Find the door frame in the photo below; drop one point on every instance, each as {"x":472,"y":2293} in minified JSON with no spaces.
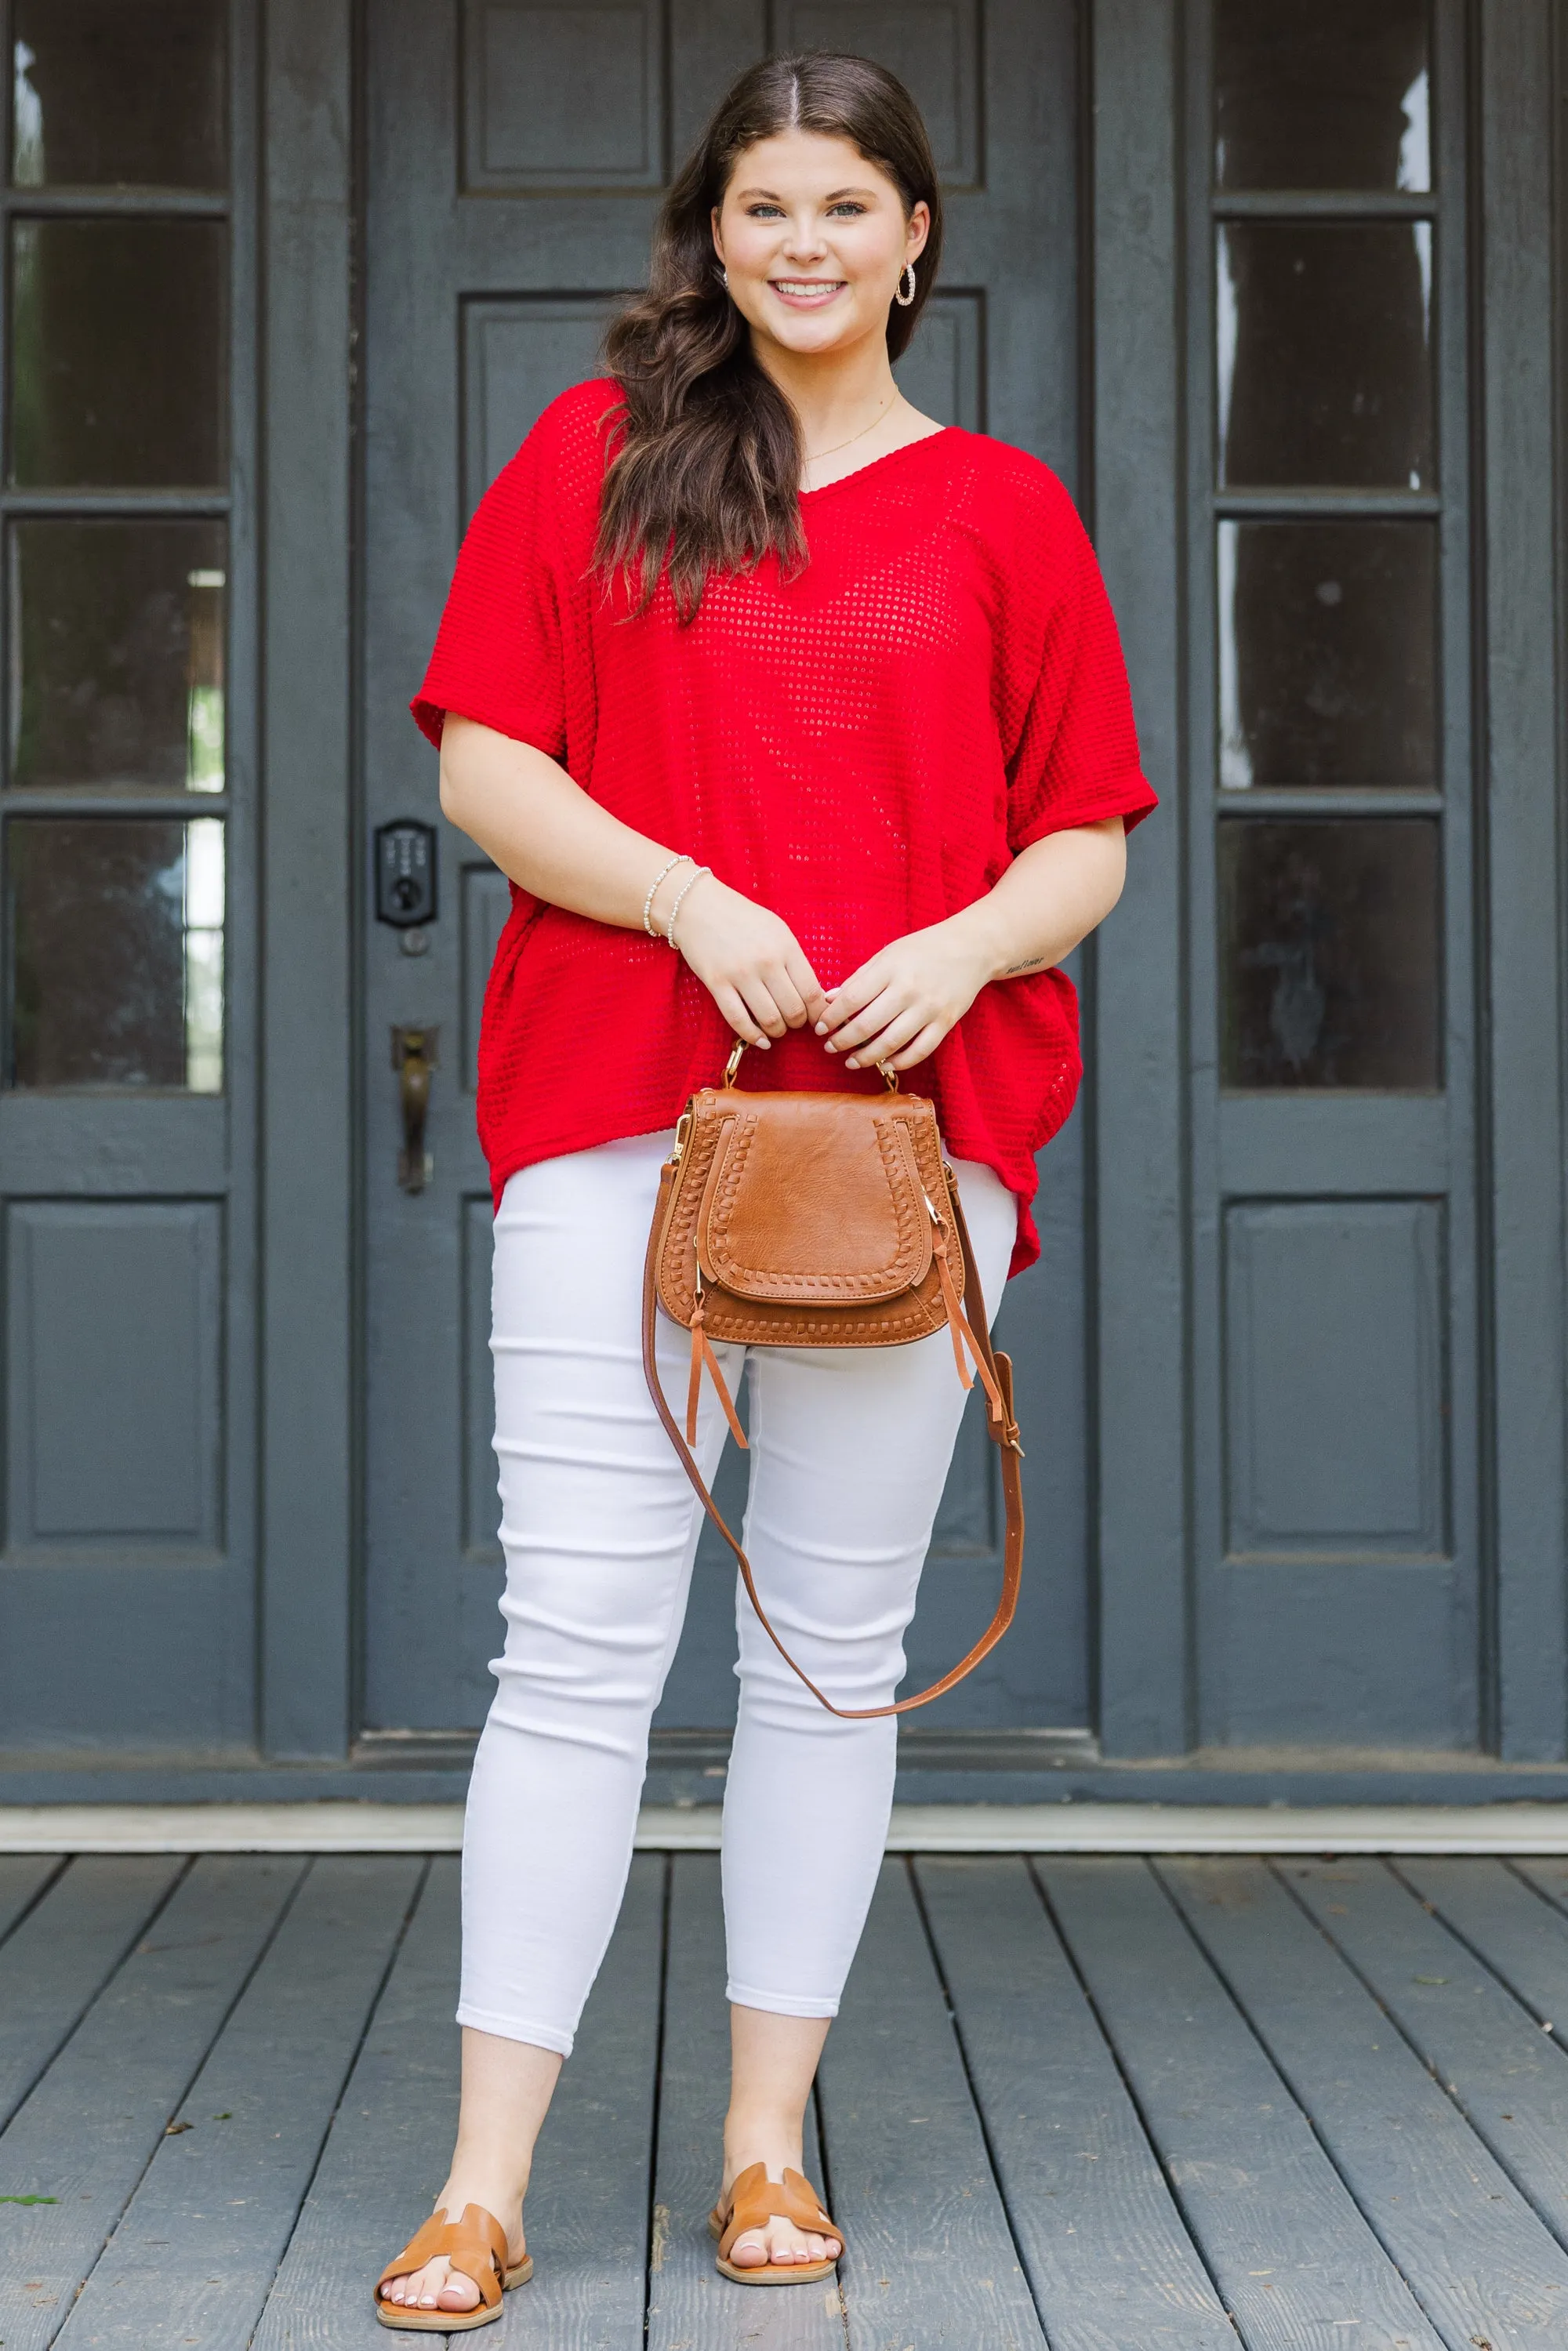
{"x":311,"y":889}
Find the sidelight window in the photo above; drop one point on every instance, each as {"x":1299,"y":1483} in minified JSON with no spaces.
{"x":1327,"y":489}
{"x":116,"y":559}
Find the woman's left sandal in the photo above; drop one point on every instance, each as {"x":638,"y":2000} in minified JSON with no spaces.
{"x":753,"y":2200}
{"x":475,"y":2245}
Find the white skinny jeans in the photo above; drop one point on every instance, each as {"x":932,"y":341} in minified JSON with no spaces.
{"x":850,"y":1448}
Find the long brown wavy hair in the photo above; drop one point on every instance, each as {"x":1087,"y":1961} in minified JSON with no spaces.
{"x":705,"y":469}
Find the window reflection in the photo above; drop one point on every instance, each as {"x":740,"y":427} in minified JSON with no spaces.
{"x":126,"y":93}
{"x":116,"y":654}
{"x":1324,"y":351}
{"x":1321,"y":94}
{"x":115,"y":930}
{"x":1328,"y":654}
{"x":1329,"y":953}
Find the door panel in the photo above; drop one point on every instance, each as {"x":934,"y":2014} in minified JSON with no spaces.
{"x":495,"y":251}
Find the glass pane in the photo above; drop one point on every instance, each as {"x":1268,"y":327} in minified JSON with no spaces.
{"x":119,"y":93}
{"x":117,"y":655}
{"x":1321,"y":94}
{"x":116,"y":952}
{"x":1328,"y":949}
{"x":1328,"y":654}
{"x":1323,"y":332}
{"x":119,"y":370}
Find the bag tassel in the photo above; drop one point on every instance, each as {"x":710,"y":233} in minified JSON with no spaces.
{"x":702,"y":1353}
{"x":958,"y":1322}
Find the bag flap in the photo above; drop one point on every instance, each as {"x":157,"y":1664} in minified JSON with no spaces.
{"x":814,"y":1199}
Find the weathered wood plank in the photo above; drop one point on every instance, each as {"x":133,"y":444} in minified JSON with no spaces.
{"x":22,"y":1877}
{"x":1295,"y":2263}
{"x":89,"y":2128}
{"x":689,"y":2302}
{"x":1504,"y":1920}
{"x":1485,"y":2268}
{"x":64,"y":1952}
{"x":195,"y":2254}
{"x":1509,"y":2077}
{"x":929,"y":2256}
{"x":1112,"y":2267}
{"x":388,"y":2149}
{"x":1548,"y":1873}
{"x":587,"y":2214}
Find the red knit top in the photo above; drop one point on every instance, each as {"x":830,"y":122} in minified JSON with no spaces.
{"x":863,"y":747}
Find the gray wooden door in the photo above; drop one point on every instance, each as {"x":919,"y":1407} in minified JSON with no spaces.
{"x":127,"y":802}
{"x":515,"y":155}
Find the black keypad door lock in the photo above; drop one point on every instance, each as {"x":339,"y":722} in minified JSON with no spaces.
{"x":405,"y":873}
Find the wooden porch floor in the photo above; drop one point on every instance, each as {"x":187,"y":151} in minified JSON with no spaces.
{"x":1102,"y":2105}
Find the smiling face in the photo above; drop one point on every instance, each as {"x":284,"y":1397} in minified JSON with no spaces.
{"x":814,"y":240}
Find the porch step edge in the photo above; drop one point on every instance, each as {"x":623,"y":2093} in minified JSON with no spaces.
{"x":350,"y":1826}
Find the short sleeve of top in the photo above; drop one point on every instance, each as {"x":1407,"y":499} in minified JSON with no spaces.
{"x":1066,"y":709}
{"x":501,"y":655}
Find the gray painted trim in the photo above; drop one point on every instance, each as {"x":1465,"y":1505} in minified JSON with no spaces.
{"x":1524,"y":875}
{"x":307,"y":1157}
{"x":1216,"y":1778}
{"x":1144,"y":1662}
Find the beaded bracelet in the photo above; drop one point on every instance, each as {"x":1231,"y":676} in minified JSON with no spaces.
{"x":674,"y":910}
{"x":648,"y":902}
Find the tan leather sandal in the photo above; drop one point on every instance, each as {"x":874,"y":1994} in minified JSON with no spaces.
{"x":476,"y":2245}
{"x":752,"y":2201}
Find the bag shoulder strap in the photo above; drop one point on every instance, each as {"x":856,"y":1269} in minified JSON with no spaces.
{"x":1003,"y":1428}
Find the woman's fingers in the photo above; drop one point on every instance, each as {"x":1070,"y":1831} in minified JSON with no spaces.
{"x":808,"y":987}
{"x":919,"y":1049}
{"x":869,"y":1024}
{"x":732,"y":1004}
{"x":782,"y":988}
{"x":850,"y":997}
{"x":901,"y":1029}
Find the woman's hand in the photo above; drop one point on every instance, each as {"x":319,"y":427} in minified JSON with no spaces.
{"x":898,"y":1005}
{"x":901,"y":1003}
{"x":750,"y":962}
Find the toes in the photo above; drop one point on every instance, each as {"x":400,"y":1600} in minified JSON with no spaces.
{"x":749,"y":2252}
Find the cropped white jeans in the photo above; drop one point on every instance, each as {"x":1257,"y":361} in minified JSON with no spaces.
{"x":849,"y":1452}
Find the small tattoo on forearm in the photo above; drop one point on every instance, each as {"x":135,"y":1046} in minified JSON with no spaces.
{"x":1036,"y":963}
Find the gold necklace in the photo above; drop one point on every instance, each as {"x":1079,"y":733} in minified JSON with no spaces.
{"x":815,"y":457}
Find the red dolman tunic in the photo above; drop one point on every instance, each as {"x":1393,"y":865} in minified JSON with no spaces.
{"x":863,"y":747}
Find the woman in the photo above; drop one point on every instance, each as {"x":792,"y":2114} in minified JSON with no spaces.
{"x":794,"y":717}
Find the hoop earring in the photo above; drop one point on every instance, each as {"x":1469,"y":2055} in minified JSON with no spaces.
{"x":901,"y":298}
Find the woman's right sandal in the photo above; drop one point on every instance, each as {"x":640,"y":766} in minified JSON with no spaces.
{"x":752,"y":2201}
{"x":476,"y":2246}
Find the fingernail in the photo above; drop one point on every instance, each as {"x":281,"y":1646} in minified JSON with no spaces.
{"x":851,"y":1063}
{"x":821,"y":1028}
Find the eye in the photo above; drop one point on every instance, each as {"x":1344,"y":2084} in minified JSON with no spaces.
{"x":764,"y":211}
{"x":848,"y":206}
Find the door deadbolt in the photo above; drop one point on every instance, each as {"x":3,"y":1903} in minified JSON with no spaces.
{"x":414,"y":1054}
{"x":405,"y":873}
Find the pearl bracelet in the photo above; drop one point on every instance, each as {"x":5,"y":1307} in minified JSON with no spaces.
{"x":648,"y":902}
{"x":674,"y":910}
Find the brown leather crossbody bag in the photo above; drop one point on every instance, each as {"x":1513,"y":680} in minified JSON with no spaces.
{"x":821,"y":1220}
